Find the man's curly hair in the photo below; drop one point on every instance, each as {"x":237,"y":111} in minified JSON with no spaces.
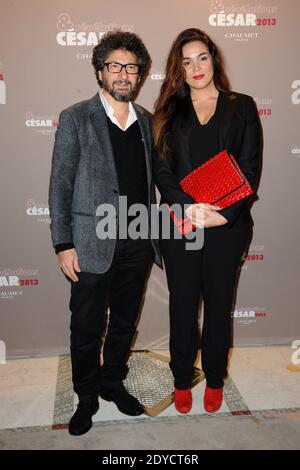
{"x":114,"y":40}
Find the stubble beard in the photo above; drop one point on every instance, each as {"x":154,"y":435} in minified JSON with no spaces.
{"x":122,"y":96}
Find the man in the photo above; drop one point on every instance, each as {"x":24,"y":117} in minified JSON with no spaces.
{"x":102,"y":151}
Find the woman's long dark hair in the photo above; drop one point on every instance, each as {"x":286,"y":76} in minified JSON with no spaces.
{"x":174,"y":88}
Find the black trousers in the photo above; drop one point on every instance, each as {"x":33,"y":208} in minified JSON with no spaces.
{"x":209,"y":272}
{"x":121,"y":288}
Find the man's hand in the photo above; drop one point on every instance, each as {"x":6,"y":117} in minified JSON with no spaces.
{"x":68,"y":262}
{"x":205,"y":215}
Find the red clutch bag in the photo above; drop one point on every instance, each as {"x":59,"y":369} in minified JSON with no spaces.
{"x":219,"y":181}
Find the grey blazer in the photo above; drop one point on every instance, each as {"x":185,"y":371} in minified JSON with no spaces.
{"x":83,"y":176}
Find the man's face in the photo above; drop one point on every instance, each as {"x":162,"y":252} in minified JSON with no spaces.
{"x":121,"y":85}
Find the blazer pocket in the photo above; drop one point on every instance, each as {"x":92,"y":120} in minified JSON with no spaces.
{"x":85,"y":214}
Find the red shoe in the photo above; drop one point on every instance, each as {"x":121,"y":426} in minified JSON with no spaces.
{"x":183,"y":400}
{"x":212,"y":399}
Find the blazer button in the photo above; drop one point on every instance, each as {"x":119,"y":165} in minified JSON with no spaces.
{"x":115,"y":191}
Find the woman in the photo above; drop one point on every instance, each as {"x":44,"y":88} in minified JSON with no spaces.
{"x":196,"y":117}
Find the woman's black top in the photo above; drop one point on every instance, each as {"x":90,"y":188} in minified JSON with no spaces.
{"x":203,"y":138}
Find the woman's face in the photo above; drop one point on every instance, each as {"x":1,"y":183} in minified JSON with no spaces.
{"x":197,"y":65}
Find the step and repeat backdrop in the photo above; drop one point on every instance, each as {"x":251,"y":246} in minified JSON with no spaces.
{"x":45,"y":66}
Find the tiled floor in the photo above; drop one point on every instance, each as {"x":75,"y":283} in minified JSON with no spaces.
{"x":37,"y":393}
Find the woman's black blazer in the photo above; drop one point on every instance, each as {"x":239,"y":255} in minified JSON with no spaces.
{"x":239,"y":134}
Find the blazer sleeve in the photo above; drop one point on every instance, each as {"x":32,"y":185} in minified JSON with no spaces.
{"x":66,"y":154}
{"x":247,"y":159}
{"x":168,"y":183}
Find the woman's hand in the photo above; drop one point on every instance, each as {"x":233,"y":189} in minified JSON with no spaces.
{"x":205,"y":215}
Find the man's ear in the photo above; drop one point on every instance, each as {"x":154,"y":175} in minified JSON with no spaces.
{"x":100,"y":75}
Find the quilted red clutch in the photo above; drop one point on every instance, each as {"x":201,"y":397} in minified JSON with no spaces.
{"x":219,"y":181}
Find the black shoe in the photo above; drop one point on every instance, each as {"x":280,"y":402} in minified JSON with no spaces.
{"x":125,"y":402}
{"x":81,"y":421}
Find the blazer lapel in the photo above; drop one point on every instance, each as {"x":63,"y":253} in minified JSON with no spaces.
{"x":228,"y":105}
{"x":146,"y":135}
{"x":180,"y":137}
{"x":98,"y":119}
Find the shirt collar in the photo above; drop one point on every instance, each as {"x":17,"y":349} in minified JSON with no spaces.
{"x":109,"y":110}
